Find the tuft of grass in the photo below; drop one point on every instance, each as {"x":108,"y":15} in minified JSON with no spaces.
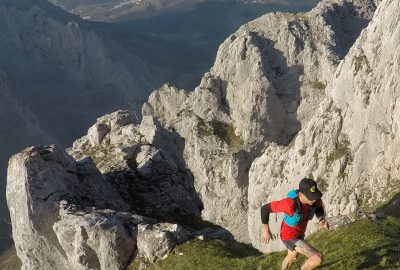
{"x":318,"y":85}
{"x":226,"y":132}
{"x":342,"y":149}
{"x":363,"y":244}
{"x":360,"y":61}
{"x":9,"y":260}
{"x":217,"y":255}
{"x":185,"y":113}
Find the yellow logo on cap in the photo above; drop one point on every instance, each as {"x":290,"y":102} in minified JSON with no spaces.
{"x":312,"y":189}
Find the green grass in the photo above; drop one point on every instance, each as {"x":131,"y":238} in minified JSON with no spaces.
{"x":342,"y":149}
{"x":226,"y":132}
{"x":360,"y":61}
{"x":216,"y":255}
{"x":318,"y":85}
{"x":361,"y":245}
{"x":9,"y":260}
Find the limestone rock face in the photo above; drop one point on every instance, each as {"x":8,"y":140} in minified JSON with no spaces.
{"x":366,"y":91}
{"x":157,"y":241}
{"x":57,"y":74}
{"x":27,"y":125}
{"x":212,"y":151}
{"x":97,"y":239}
{"x":251,"y":97}
{"x":273,"y":62}
{"x":144,"y":162}
{"x":289,"y":96}
{"x":69,"y":215}
{"x":62,"y":53}
{"x":38,"y":179}
{"x":350,"y":144}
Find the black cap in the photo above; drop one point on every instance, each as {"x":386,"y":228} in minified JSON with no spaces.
{"x":309,"y":188}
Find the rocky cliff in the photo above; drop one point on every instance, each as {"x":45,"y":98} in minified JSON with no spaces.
{"x":65,"y":58}
{"x":289,"y":96}
{"x":71,"y":215}
{"x":52,"y":61}
{"x":350,"y":144}
{"x":268,"y":80}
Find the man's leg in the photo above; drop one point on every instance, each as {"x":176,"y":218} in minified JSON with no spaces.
{"x":315,"y":257}
{"x":289,"y":259}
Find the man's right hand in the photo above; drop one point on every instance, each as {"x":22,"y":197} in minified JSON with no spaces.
{"x":265,"y":234}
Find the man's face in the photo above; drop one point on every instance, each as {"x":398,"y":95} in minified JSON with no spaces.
{"x":305,"y":200}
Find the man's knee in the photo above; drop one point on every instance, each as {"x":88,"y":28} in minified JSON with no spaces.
{"x":317,"y":258}
{"x":293,"y":258}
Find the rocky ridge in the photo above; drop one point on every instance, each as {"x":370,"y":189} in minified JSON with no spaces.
{"x":239,"y":140}
{"x":268,"y":79}
{"x":55,"y":61}
{"x":122,"y":10}
{"x":349,"y":145}
{"x":69,"y":215}
{"x":68,"y":59}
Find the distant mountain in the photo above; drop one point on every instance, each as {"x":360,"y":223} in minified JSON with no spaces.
{"x":116,"y":10}
{"x":57,"y":75}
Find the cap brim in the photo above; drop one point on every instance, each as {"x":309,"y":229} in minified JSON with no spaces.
{"x":312,"y":196}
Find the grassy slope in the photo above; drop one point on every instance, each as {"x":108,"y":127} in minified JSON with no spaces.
{"x":9,"y":260}
{"x":361,"y":245}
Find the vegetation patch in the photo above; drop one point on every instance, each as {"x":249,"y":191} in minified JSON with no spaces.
{"x":342,"y":149}
{"x":186,"y":112}
{"x":360,"y":61}
{"x":322,"y":184}
{"x":318,"y":85}
{"x":226,"y":132}
{"x":295,"y":16}
{"x":362,"y":245}
{"x":391,"y":207}
{"x":9,"y":260}
{"x":203,"y":128}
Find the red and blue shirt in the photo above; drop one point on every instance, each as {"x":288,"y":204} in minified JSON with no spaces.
{"x":288,"y":207}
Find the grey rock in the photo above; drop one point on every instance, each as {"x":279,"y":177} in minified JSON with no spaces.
{"x":38,"y":179}
{"x":67,"y":215}
{"x":145,"y":163}
{"x":267,"y":81}
{"x":350,"y":146}
{"x":229,"y":141}
{"x":96,"y":239}
{"x":97,"y":132}
{"x":211,"y":234}
{"x":156,"y":241}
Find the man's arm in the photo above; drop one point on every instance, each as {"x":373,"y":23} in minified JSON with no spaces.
{"x":265,"y":211}
{"x":265,"y":232}
{"x":320,"y":213}
{"x":285,"y":205}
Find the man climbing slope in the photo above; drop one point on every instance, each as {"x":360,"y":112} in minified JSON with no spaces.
{"x":298,"y":209}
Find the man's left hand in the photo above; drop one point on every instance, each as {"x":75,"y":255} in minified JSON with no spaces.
{"x":324,"y":224}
